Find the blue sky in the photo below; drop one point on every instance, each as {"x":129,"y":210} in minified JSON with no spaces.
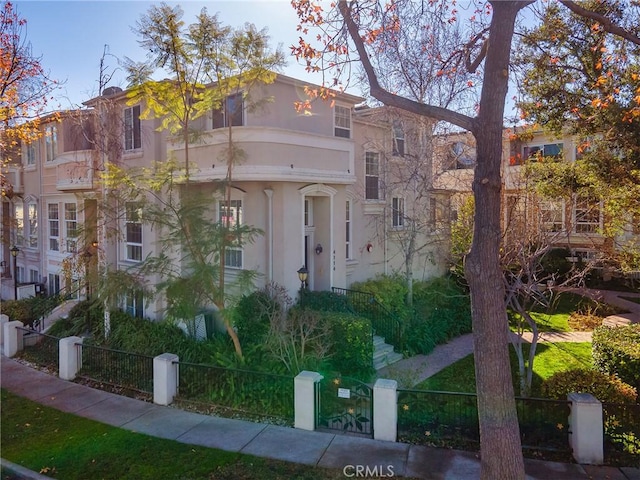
{"x":70,"y":35}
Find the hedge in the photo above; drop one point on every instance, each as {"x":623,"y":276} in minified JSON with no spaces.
{"x":606,"y":388}
{"x":617,"y":350}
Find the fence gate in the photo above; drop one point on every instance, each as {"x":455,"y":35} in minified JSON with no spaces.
{"x":344,"y":404}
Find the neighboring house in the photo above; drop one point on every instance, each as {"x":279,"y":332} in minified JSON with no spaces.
{"x":317,"y":183}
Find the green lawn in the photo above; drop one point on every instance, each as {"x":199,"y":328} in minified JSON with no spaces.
{"x":632,"y":299}
{"x":65,"y":446}
{"x":550,"y":358}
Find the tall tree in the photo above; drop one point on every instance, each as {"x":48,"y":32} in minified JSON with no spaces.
{"x":208,"y":62}
{"x":357,"y":26}
{"x":25,"y":87}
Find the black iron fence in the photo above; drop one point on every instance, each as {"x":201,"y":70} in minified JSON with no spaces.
{"x":621,"y":433}
{"x":129,"y":371}
{"x":242,"y":392}
{"x":384,"y":323}
{"x":40,"y":349}
{"x":451,"y":419}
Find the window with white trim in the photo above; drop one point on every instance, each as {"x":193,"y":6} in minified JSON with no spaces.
{"x":51,"y":142}
{"x":133,"y":231}
{"x":347,"y":230}
{"x":232,"y":113}
{"x":398,"y":139}
{"x":342,"y":121}
{"x":20,"y":276}
{"x":54,"y":226}
{"x":134,"y":304}
{"x":552,"y":215}
{"x":18,"y":219}
{"x":32,"y":224}
{"x":34,"y":275}
{"x":231,"y":216}
{"x":71,"y":226}
{"x":132,"y":132}
{"x":534,"y":152}
{"x":31,"y":153}
{"x":587,"y":215}
{"x":308,"y":212}
{"x":397,"y":212}
{"x":372,"y":175}
{"x":54,"y":284}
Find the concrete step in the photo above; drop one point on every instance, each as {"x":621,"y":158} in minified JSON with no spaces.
{"x":387,"y":360}
{"x":383,"y":354}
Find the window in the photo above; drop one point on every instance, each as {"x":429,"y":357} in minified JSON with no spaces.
{"x":71,"y":226}
{"x":551,"y":216}
{"x":133,"y":233}
{"x":398,"y":139}
{"x":397,"y":212}
{"x":587,"y":212}
{"x":32,"y":153}
{"x":134,"y":304}
{"x":347,"y":230}
{"x":34,"y":276}
{"x":72,"y":287}
{"x":342,"y":121}
{"x":372,"y":179}
{"x":20,"y":278}
{"x":132,"y":138}
{"x":537,"y":152}
{"x":54,"y":227}
{"x":308,"y":212}
{"x":32,"y":223}
{"x":232,"y":217}
{"x":54,"y":284}
{"x":18,"y":217}
{"x":232,"y":113}
{"x":51,"y":142}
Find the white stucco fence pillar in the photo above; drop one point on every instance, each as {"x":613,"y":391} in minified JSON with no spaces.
{"x":385,"y":410}
{"x":70,"y":357}
{"x":305,"y":399}
{"x":585,"y":424}
{"x":165,"y":378}
{"x":3,"y":319}
{"x":13,"y":338}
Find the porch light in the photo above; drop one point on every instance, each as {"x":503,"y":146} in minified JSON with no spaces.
{"x":303,"y":274}
{"x":318,"y":249}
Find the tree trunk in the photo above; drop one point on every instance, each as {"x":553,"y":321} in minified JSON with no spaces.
{"x":501,"y":451}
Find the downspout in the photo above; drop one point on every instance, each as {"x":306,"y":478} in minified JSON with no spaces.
{"x":269,"y":193}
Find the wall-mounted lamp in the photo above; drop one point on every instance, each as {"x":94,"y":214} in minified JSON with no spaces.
{"x":94,"y":244}
{"x":318,"y":249}
{"x":369,"y":247}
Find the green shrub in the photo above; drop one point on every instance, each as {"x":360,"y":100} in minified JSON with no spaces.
{"x":606,"y":388}
{"x":389,"y":290}
{"x":18,"y":311}
{"x":352,"y":345}
{"x":324,"y":301}
{"x":617,"y":350}
{"x":555,"y":263}
{"x":251,"y":316}
{"x":442,"y":311}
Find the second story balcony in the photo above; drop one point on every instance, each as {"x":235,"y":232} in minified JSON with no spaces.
{"x":74,"y":171}
{"x":270,"y":154}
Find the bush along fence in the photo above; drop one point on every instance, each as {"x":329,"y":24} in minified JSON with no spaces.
{"x":311,"y":401}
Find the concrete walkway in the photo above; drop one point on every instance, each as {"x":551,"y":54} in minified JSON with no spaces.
{"x":270,"y":441}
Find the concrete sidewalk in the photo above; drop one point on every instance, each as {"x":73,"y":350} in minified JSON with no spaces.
{"x":288,"y":444}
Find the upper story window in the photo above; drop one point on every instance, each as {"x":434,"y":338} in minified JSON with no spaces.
{"x":587,"y":215}
{"x":71,"y":226}
{"x":133,"y":231}
{"x":308,"y":212}
{"x":534,"y":153}
{"x":31,"y":153}
{"x":232,"y":112}
{"x":397,"y":212}
{"x":231,"y":215}
{"x":372,"y":175}
{"x":51,"y":142}
{"x":132,"y":133}
{"x":398,"y":140}
{"x":342,"y":121}
{"x":54,"y":226}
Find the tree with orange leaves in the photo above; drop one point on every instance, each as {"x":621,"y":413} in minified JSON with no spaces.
{"x":25,"y":87}
{"x":362,"y":27}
